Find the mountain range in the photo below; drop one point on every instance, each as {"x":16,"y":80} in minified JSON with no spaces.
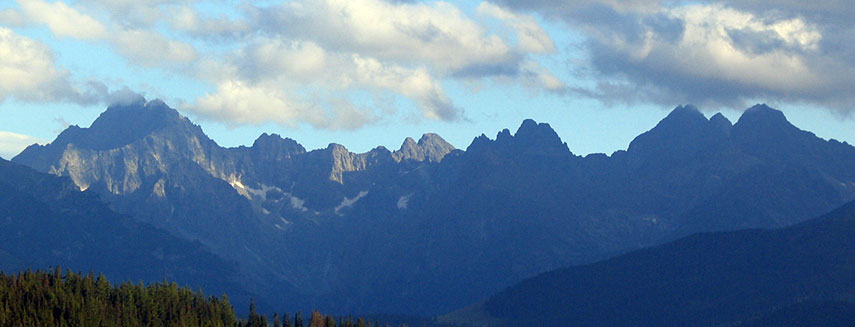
{"x":427,"y":228}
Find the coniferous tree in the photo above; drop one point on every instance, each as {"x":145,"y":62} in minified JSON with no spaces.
{"x":255,"y":320}
{"x":276,"y":322}
{"x":286,"y":320}
{"x":298,"y":319}
{"x":317,"y":319}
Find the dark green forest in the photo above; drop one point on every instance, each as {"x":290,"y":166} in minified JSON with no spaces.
{"x":41,"y":298}
{"x":71,"y":299}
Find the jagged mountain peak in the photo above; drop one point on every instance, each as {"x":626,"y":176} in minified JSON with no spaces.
{"x":432,"y":139}
{"x":531,"y":129}
{"x":687,"y":109}
{"x":479,"y":142}
{"x":681,"y":118}
{"x":154,"y":112}
{"x":409,"y":149}
{"x":531,"y":138}
{"x":122,"y":124}
{"x":379,"y":150}
{"x":763,"y":116}
{"x":681,"y":134}
{"x":273,"y":146}
{"x":720,"y":122}
{"x":539,"y":138}
{"x":765,"y":132}
{"x":527,"y":124}
{"x":504,"y":136}
{"x":118,"y":126}
{"x":409,"y":142}
{"x":337,"y":147}
{"x":267,"y":140}
{"x":430,"y":147}
{"x":719,"y":119}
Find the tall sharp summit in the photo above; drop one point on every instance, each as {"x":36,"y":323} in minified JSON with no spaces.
{"x":430,"y":147}
{"x":446,"y":227}
{"x":119,"y":126}
{"x":685,"y":132}
{"x":531,"y":138}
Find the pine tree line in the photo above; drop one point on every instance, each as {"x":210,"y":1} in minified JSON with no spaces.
{"x":52,"y":299}
{"x":40,"y":298}
{"x":316,"y":320}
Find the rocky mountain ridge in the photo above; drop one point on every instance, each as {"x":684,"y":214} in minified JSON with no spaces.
{"x":446,"y":227}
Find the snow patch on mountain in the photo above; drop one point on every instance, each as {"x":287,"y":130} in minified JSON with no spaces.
{"x":236,"y":184}
{"x":348,"y":202}
{"x":159,"y":188}
{"x":296,"y":203}
{"x":403,"y":201}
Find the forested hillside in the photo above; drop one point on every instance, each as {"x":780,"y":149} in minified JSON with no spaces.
{"x":67,"y":298}
{"x":70,"y":299}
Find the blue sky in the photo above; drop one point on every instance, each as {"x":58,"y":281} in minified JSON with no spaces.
{"x":364,"y":73}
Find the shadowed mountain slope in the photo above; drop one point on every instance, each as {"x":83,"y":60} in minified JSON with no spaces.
{"x":712,"y":279}
{"x":47,"y":221}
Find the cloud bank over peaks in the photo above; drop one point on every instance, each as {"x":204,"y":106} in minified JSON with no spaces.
{"x":312,"y":62}
{"x":711,"y":53}
{"x":304,"y":50}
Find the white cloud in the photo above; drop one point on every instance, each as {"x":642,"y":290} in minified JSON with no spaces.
{"x":295,"y":61}
{"x":416,"y":84}
{"x":264,"y":79}
{"x":708,"y":39}
{"x":530,"y":35}
{"x":150,"y":48}
{"x":11,"y":144}
{"x":144,"y":45}
{"x":710,"y":53}
{"x":303,"y":61}
{"x":28,"y":70}
{"x":237,"y":103}
{"x":12,"y":18}
{"x":132,"y":14}
{"x":437,"y":34}
{"x":187,"y":19}
{"x":538,"y":77}
{"x":63,"y":20}
{"x":335,"y":46}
